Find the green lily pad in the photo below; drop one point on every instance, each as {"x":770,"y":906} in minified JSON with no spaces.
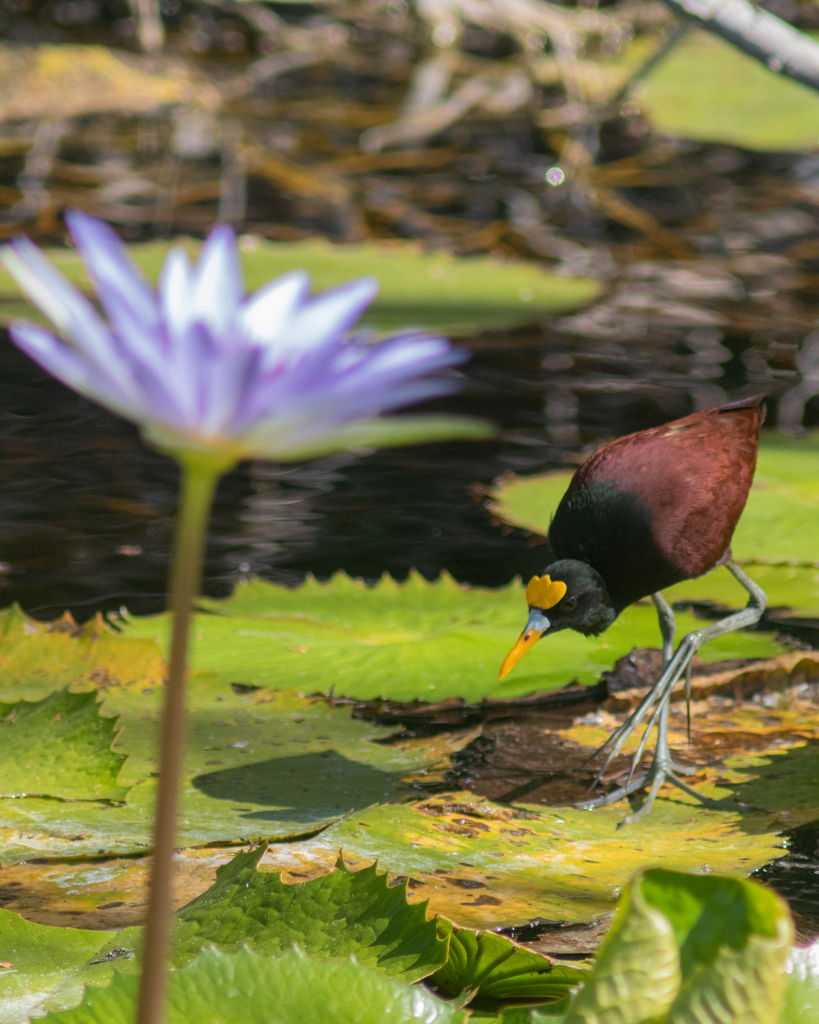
{"x":706,"y":89}
{"x":40,"y":657}
{"x":415,"y":640}
{"x":245,"y":988}
{"x":497,"y":970}
{"x":274,"y":765}
{"x":437,"y":291}
{"x":485,"y":866}
{"x":59,"y":747}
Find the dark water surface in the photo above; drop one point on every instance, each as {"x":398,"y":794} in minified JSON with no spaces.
{"x":86,"y":510}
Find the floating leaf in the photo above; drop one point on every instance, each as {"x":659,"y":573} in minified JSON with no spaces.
{"x":277,"y":766}
{"x":241,"y":988}
{"x":37,"y":658}
{"x":708,"y":90}
{"x":497,"y":970}
{"x":485,"y":866}
{"x":413,"y":640}
{"x":437,"y":291}
{"x":59,"y":747}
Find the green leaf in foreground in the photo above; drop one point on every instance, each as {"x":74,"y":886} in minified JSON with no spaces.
{"x":345,"y":913}
{"x":497,"y":970}
{"x":330,"y":918}
{"x":802,"y":994}
{"x":41,"y":958}
{"x":59,"y":747}
{"x":683,"y":948}
{"x":245,"y":988}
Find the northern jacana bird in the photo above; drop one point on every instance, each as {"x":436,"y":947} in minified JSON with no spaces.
{"x":644,"y":512}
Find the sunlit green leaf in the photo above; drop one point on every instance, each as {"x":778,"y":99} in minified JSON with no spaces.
{"x":437,"y":291}
{"x":411,"y":640}
{"x":59,"y":747}
{"x":245,"y":988}
{"x":274,"y":765}
{"x":484,"y":866}
{"x":636,"y":974}
{"x":40,"y":657}
{"x":687,"y":948}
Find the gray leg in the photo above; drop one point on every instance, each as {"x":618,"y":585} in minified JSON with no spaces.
{"x":668,"y":625}
{"x":662,"y":769}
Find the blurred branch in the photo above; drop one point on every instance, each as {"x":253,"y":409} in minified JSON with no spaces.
{"x":150,"y":30}
{"x":774,"y":43}
{"x":677,"y":33}
{"x":32,"y":179}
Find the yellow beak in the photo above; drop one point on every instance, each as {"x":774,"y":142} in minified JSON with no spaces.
{"x":528,"y":638}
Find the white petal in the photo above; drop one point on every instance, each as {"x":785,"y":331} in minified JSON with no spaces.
{"x":330,"y":315}
{"x":218,"y":286}
{"x":268,"y":311}
{"x":176,"y":292}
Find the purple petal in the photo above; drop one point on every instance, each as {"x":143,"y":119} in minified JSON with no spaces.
{"x":61,"y":302}
{"x":69,"y":367}
{"x":124,"y":293}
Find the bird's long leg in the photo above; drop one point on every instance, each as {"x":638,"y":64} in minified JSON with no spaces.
{"x":662,"y":769}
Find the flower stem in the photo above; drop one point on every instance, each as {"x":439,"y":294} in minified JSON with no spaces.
{"x":200,"y":474}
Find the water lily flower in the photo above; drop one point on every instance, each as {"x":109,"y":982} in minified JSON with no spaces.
{"x":211,"y":377}
{"x":200,"y":366}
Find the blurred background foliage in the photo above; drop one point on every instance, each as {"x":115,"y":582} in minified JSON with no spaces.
{"x":668,"y":184}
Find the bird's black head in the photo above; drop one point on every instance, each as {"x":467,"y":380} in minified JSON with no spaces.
{"x":571,"y":596}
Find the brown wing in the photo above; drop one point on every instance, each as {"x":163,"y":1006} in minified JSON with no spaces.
{"x":660,"y":506}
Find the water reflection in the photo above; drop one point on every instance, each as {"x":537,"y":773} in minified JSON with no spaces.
{"x":86,"y":511}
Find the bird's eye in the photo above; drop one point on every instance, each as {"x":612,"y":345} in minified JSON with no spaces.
{"x":569,"y":604}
